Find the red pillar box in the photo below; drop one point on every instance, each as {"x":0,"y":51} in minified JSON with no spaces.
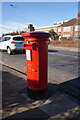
{"x":36,"y":52}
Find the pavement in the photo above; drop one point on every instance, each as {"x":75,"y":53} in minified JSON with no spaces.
{"x":16,"y":103}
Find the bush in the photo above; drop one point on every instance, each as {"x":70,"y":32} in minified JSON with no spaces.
{"x":70,"y":38}
{"x":65,"y":43}
{"x":63,"y":38}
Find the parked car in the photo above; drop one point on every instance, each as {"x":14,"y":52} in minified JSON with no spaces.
{"x":12,"y":43}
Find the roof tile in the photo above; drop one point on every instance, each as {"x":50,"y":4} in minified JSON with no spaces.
{"x":74,"y":21}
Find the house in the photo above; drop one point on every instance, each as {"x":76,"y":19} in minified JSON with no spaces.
{"x":70,"y":28}
{"x":48,"y":28}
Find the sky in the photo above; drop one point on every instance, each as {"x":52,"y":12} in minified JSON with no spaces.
{"x":39,"y":14}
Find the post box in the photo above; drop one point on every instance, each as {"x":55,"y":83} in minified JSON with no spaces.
{"x":36,"y":52}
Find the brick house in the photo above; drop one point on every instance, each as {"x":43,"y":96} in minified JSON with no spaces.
{"x":48,"y":28}
{"x":70,"y":28}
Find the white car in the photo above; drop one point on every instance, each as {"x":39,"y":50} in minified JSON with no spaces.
{"x":12,"y":43}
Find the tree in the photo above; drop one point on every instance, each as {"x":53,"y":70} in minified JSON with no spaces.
{"x":54,"y":35}
{"x":79,"y":14}
{"x":13,"y":33}
{"x":22,"y":32}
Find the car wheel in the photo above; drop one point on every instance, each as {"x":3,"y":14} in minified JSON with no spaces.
{"x":9,"y":51}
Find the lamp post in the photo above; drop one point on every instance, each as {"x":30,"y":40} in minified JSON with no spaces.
{"x":18,"y":17}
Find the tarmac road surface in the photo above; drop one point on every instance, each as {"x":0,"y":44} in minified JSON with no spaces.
{"x":62,"y":64}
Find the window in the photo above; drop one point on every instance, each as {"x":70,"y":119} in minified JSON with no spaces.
{"x":7,"y":38}
{"x":18,"y":38}
{"x":55,"y":30}
{"x":77,"y":28}
{"x":59,"y":29}
{"x":77,"y":36}
{"x":66,"y":29}
{"x":2,"y":39}
{"x":66,"y":35}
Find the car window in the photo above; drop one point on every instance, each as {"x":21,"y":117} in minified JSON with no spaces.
{"x":7,"y":38}
{"x":2,"y":39}
{"x":18,"y":38}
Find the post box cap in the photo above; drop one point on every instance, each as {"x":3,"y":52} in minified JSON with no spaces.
{"x":36,"y":34}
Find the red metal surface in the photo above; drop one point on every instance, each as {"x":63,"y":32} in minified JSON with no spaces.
{"x":37,"y":65}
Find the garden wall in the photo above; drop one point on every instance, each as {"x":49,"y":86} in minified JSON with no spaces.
{"x":64,"y":43}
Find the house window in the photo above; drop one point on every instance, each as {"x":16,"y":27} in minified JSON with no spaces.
{"x":55,"y":30}
{"x":66,"y":29}
{"x":77,"y":36}
{"x":77,"y":28}
{"x":59,"y":29}
{"x":66,"y":35}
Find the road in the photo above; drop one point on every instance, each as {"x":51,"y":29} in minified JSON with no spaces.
{"x":62,"y":64}
{"x":63,"y":68}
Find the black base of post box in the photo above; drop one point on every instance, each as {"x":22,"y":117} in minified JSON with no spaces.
{"x":42,"y":94}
